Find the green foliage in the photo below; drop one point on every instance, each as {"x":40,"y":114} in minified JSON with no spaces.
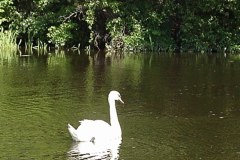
{"x":210,"y":25}
{"x":42,"y":4}
{"x":136,"y":38}
{"x":235,"y":48}
{"x":131,"y":40}
{"x":140,"y":26}
{"x":61,"y":34}
{"x":144,"y":24}
{"x":6,"y":11}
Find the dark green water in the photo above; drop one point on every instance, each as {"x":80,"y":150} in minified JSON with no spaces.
{"x":176,"y":107}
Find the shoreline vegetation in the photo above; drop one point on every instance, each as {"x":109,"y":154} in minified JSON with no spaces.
{"x":158,"y":26}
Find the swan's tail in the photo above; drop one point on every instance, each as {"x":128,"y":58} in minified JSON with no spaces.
{"x":73,"y":133}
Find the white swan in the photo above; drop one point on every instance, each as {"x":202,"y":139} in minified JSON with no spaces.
{"x":98,"y":130}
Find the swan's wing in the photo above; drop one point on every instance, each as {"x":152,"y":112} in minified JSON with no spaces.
{"x":90,"y":129}
{"x":102,"y":131}
{"x":73,"y":133}
{"x":93,"y":124}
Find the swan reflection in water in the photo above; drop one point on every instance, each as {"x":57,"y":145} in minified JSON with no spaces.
{"x":95,"y":151}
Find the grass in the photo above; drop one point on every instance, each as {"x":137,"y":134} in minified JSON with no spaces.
{"x":9,"y":46}
{"x":8,"y":43}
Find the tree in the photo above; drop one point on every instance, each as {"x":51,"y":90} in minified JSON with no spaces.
{"x":208,"y":25}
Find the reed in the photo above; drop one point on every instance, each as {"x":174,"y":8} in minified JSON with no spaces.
{"x":8,"y":44}
{"x":39,"y":46}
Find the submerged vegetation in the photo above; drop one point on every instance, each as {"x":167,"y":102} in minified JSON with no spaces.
{"x":198,"y":26}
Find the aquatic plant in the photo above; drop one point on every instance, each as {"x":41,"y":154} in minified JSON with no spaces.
{"x":8,"y":42}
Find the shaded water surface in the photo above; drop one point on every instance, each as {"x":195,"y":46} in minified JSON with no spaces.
{"x":176,"y":106}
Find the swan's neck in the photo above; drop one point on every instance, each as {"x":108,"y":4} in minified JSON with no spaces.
{"x":114,"y":118}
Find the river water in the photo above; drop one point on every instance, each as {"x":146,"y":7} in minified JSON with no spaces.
{"x":176,"y":106}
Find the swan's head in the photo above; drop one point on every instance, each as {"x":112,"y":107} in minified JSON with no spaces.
{"x":115,"y":95}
